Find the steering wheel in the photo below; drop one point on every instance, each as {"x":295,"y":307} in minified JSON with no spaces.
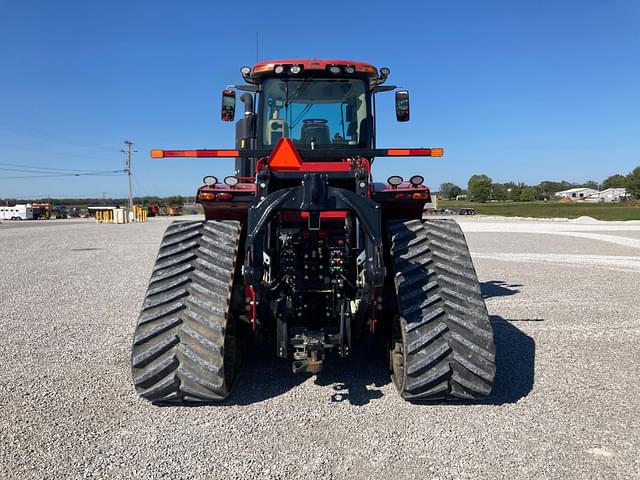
{"x":314,"y":120}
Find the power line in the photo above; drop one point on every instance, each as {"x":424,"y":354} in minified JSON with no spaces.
{"x":72,"y":172}
{"x":106,"y":173}
{"x":48,"y":136}
{"x":50,"y":152}
{"x":32,"y":167}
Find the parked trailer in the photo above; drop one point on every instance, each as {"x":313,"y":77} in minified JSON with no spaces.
{"x":41,"y":211}
{"x":17,"y":212}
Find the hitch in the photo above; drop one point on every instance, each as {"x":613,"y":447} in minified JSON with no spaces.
{"x":308,"y":365}
{"x":311,"y":348}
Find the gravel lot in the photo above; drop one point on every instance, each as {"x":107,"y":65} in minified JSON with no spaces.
{"x":564,"y":303}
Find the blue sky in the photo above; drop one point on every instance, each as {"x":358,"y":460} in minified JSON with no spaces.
{"x":523,"y":91}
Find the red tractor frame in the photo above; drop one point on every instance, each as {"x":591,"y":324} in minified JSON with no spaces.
{"x":301,"y":247}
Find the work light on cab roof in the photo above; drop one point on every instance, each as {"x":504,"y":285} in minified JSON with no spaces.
{"x":302,"y":249}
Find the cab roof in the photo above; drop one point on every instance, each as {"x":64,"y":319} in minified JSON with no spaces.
{"x":318,"y":65}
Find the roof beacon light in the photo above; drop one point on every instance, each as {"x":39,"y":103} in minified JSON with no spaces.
{"x":416,"y":180}
{"x":231,"y":181}
{"x":295,"y":69}
{"x":394,"y":180}
{"x":210,"y":180}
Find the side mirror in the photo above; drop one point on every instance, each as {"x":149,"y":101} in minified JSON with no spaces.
{"x":228,"y":105}
{"x":402,"y":105}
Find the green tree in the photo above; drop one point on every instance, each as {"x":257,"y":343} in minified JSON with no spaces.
{"x":512,"y":191}
{"x":615,"y":181}
{"x":479,"y":188}
{"x":633,"y":183}
{"x":499,"y":192}
{"x":548,"y":188}
{"x":590,"y":184}
{"x":450,"y":190}
{"x":528,"y":194}
{"x":176,"y":200}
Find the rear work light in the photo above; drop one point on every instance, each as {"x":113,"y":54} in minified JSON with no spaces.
{"x":210,"y":180}
{"x":231,"y":181}
{"x":416,"y":180}
{"x":394,"y":180}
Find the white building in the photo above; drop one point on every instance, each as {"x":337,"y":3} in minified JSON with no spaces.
{"x":609,"y":195}
{"x":580,"y":193}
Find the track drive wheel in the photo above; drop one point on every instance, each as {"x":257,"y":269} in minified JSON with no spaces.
{"x":184,"y":348}
{"x":442,"y":345}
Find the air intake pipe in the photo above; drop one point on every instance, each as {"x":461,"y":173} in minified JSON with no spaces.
{"x":247,"y":99}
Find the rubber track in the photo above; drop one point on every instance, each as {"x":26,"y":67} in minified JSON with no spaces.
{"x":447,"y":350}
{"x":179,"y":344}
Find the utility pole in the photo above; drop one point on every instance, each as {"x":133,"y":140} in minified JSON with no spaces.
{"x":127,"y":166}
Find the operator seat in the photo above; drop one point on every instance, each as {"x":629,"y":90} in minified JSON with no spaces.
{"x":314,"y":128}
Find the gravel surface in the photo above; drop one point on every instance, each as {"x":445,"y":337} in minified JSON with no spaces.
{"x":565,"y":312}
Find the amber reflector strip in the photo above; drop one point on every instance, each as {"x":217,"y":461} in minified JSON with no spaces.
{"x":194,"y":153}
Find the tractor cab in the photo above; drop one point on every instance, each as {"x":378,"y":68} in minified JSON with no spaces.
{"x":325,"y":105}
{"x":321,"y":113}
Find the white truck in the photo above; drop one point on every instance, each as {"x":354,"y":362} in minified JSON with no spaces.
{"x":17,"y":212}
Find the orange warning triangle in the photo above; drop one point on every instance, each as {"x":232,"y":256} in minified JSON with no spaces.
{"x":285,"y":156}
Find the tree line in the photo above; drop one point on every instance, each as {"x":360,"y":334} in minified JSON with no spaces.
{"x":481,"y":188}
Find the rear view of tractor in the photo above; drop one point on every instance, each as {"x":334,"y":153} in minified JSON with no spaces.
{"x":302,"y":249}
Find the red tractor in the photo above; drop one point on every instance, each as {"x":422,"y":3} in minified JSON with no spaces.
{"x":302,"y":248}
{"x":153,"y":210}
